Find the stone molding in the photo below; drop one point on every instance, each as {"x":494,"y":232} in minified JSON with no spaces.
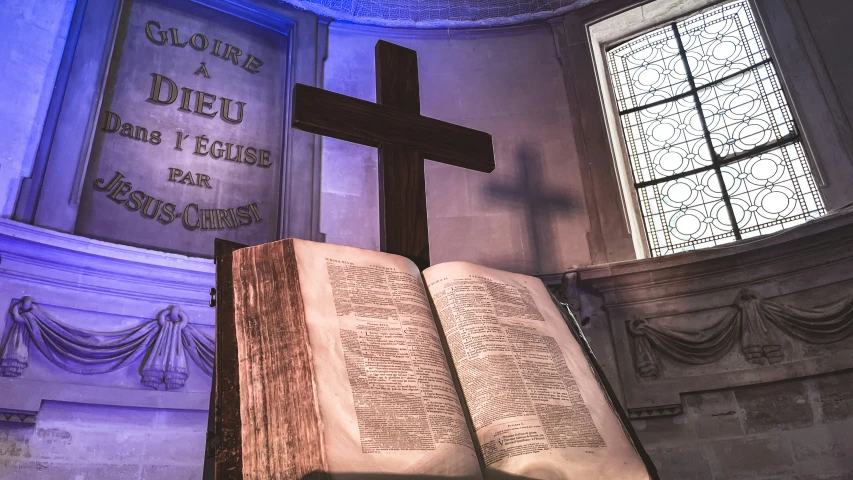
{"x":12,"y":417}
{"x":36,"y":256}
{"x":162,"y":343}
{"x":781,"y":283}
{"x":664,"y":411}
{"x":749,"y":323}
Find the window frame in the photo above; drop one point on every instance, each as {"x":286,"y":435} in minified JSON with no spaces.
{"x":718,"y":161}
{"x":638,"y":19}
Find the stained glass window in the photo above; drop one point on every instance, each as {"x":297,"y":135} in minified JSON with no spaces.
{"x":714,"y":150}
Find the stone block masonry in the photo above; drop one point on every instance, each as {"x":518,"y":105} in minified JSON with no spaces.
{"x":791,"y":430}
{"x":91,"y":442}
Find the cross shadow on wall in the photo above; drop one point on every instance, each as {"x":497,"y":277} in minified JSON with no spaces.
{"x":540,"y":206}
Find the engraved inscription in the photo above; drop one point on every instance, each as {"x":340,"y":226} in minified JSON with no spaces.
{"x":191,"y":132}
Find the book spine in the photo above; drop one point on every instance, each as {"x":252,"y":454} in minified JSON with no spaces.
{"x":282,"y":431}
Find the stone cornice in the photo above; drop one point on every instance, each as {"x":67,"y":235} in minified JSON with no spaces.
{"x":41,"y":256}
{"x":701,"y":269}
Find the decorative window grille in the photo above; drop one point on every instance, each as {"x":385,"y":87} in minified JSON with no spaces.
{"x":715,"y":152}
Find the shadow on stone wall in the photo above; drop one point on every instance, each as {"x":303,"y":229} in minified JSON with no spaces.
{"x":539,"y":204}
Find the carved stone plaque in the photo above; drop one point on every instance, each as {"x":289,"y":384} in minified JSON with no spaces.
{"x":190,"y":135}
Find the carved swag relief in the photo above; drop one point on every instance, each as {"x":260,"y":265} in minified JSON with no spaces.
{"x":163,"y":343}
{"x":750,"y":323}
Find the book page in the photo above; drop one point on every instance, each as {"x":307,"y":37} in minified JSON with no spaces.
{"x":537,"y":408}
{"x":385,"y":392}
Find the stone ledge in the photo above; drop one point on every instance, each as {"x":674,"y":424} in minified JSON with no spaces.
{"x":710,"y":260}
{"x":802,"y":268}
{"x":37,"y":255}
{"x":27,"y":396}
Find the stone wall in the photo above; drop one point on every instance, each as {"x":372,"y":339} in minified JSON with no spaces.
{"x":791,"y":430}
{"x":767,"y":401}
{"x":828,"y":24}
{"x":529,"y":214}
{"x":33,"y":35}
{"x":93,"y":442}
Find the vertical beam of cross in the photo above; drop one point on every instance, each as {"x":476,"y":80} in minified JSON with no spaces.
{"x":403,"y":228}
{"x":402,"y":200}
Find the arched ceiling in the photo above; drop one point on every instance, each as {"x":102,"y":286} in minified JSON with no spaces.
{"x":438,"y":13}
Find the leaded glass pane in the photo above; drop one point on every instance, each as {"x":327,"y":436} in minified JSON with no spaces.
{"x":699,"y":101}
{"x":746,"y":111}
{"x":685,"y":214}
{"x":721,"y":42}
{"x":771,"y":190}
{"x":647,"y":70}
{"x":665,"y":140}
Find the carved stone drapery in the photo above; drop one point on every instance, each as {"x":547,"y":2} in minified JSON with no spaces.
{"x":164,"y":344}
{"x":750,"y":322}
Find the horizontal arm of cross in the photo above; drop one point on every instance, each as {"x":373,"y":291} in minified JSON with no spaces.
{"x":334,"y":115}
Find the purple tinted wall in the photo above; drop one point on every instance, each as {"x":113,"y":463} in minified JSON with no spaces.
{"x":829,"y":24}
{"x":33,"y":34}
{"x":89,"y":442}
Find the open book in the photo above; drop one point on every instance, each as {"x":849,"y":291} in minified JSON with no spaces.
{"x":355,"y":365}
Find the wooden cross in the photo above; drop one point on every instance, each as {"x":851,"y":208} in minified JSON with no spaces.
{"x":404,"y":138}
